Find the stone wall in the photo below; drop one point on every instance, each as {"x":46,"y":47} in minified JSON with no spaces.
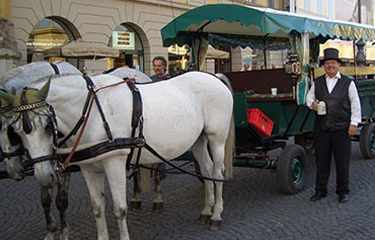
{"x":7,"y":37}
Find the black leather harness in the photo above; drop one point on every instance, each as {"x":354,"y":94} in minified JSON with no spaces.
{"x":111,"y":144}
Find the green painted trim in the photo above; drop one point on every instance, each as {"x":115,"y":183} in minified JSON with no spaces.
{"x":269,"y":22}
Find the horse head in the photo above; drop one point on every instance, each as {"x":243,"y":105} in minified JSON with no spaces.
{"x":11,"y":147}
{"x":31,"y":117}
{"x":10,"y":143}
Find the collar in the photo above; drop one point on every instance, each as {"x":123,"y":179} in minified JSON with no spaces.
{"x":338,"y":76}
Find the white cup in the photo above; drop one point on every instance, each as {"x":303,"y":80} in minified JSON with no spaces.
{"x":274,"y":91}
{"x":322,"y":110}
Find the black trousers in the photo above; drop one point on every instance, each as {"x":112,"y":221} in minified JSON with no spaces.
{"x":338,"y":145}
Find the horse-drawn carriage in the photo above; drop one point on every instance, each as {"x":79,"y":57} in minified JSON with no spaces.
{"x":193,"y":109}
{"x":223,"y":26}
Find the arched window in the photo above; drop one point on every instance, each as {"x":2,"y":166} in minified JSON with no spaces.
{"x":51,"y":32}
{"x":128,"y":40}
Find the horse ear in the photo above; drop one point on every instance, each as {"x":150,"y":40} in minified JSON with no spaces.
{"x":43,"y":93}
{"x":6,"y":97}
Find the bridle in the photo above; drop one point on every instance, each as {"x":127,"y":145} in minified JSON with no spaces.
{"x":20,"y":150}
{"x":22,"y":109}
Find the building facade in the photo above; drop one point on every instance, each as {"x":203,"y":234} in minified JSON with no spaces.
{"x":40,"y":25}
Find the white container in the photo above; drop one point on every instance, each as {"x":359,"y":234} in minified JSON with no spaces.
{"x":322,"y":109}
{"x":274,"y":91}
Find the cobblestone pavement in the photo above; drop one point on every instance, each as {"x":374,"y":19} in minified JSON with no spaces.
{"x":253,"y":210}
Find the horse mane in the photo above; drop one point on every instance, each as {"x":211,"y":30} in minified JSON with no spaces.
{"x":126,"y":72}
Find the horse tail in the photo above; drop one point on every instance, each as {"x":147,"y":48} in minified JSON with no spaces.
{"x":230,"y":143}
{"x":229,"y":151}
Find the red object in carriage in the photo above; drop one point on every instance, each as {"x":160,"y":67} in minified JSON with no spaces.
{"x":260,"y":121}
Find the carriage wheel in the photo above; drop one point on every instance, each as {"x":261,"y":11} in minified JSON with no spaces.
{"x":290,"y":169}
{"x":367,"y":141}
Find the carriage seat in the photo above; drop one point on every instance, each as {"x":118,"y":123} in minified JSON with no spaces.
{"x":257,"y":84}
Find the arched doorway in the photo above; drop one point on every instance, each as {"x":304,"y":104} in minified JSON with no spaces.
{"x":51,"y":32}
{"x":133,"y":45}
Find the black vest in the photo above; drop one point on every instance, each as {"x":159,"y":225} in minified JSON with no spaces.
{"x":337,"y":104}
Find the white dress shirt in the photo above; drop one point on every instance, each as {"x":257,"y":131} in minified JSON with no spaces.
{"x":355,"y":104}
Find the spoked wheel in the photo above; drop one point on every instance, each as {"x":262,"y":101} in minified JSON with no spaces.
{"x":367,"y":141}
{"x":291,"y":169}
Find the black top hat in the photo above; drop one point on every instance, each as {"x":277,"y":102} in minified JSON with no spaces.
{"x":330,"y":54}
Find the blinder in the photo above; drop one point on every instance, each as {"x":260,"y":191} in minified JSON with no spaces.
{"x":26,"y":123}
{"x":13,"y":137}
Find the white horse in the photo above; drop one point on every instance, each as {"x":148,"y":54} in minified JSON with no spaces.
{"x":192,"y":110}
{"x":126,"y":72}
{"x":15,"y":80}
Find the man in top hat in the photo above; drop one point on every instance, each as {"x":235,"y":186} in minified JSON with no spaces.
{"x":336,"y":121}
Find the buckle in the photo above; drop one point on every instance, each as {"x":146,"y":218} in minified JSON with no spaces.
{"x":140,"y":142}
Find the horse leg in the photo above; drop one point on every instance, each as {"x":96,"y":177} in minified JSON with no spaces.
{"x":158,"y":203}
{"x":46,"y":200}
{"x":45,"y":174}
{"x":217,"y":149}
{"x":115,"y":169}
{"x":62,"y":204}
{"x":135,"y":202}
{"x":200,"y":153}
{"x":95,"y":185}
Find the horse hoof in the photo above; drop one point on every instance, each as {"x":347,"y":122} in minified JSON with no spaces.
{"x":64,"y":234}
{"x":157,"y":206}
{"x":50,"y":236}
{"x":136,"y":205}
{"x":204,"y":219}
{"x":215,"y":225}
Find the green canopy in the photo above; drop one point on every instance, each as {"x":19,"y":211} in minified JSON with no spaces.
{"x":252,"y":21}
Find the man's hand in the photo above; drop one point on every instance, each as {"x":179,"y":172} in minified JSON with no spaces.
{"x":314,"y":106}
{"x":352,"y":130}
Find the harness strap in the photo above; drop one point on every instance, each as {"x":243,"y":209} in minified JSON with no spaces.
{"x":91,"y":92}
{"x":85,"y":116}
{"x":137,"y":104}
{"x":18,"y":152}
{"x":44,"y":158}
{"x":137,"y":120}
{"x":155,"y":153}
{"x":79,"y":122}
{"x":26,"y":123}
{"x":55,"y":68}
{"x":90,"y":87}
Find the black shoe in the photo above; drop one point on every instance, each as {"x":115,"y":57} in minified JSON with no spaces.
{"x":318,"y":196}
{"x":343,"y":198}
